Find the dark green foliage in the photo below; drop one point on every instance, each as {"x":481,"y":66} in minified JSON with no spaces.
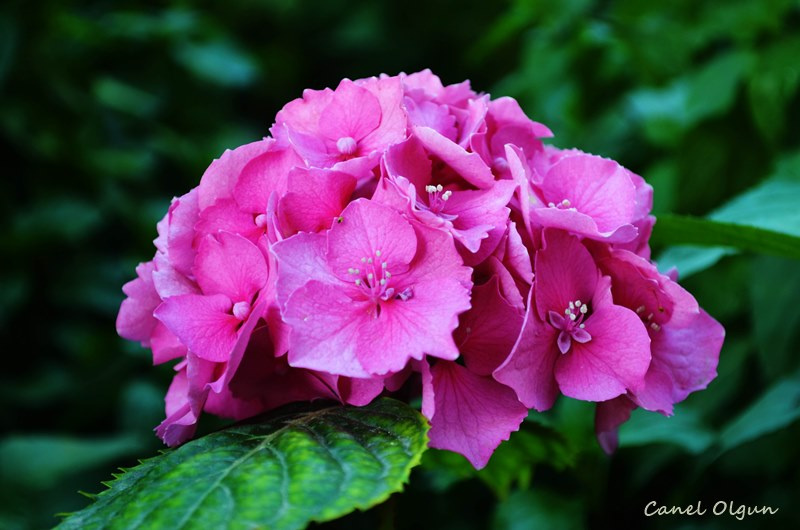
{"x":108,"y":109}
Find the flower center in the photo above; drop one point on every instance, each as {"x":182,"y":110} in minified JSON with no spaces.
{"x":563,"y":205}
{"x":346,"y":145}
{"x":648,"y":319}
{"x":437,"y":199}
{"x":373,"y":278}
{"x":241,"y":310}
{"x":571,"y":325}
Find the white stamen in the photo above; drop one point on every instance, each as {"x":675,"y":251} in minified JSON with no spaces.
{"x":584,"y":309}
{"x":430,"y":189}
{"x":370,"y":276}
{"x":358,"y":283}
{"x":363,"y":260}
{"x":369,"y":260}
{"x":573,"y":317}
{"x":439,"y":187}
{"x":383,"y":281}
{"x":446,"y":195}
{"x":578,"y":303}
{"x":639,"y":309}
{"x":572,"y":305}
{"x":565,"y":203}
{"x":582,"y":326}
{"x":655,"y":326}
{"x":378,"y":253}
{"x":649,"y":316}
{"x":383,"y":265}
{"x":551,"y":205}
{"x":388,"y":274}
{"x":346,"y":145}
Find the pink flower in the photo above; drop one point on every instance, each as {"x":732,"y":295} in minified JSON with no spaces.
{"x":230,"y":271}
{"x":395,"y":226}
{"x":574,"y":340}
{"x":685,"y":340}
{"x":371,"y":294}
{"x":475,"y":218}
{"x":347,"y":128}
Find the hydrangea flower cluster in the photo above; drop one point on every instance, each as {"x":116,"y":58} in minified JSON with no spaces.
{"x":399,"y":236}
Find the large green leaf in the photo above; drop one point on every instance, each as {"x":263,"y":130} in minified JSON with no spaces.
{"x":293,"y":468}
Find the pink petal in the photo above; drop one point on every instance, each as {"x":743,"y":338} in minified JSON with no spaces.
{"x":596,"y":187}
{"x":615,"y":360}
{"x":468,"y":165}
{"x":203,"y":323}
{"x":685,"y":358}
{"x":487,"y":332}
{"x":315,"y":198}
{"x":220,"y":177}
{"x":168,"y":281}
{"x":183,"y":214}
{"x":135,"y":319}
{"x":263,"y":175}
{"x":165,"y":345}
{"x":409,"y":160}
{"x":473,"y":414}
{"x":231,"y":265}
{"x":394,"y":121}
{"x":609,"y":415}
{"x":368,"y":228}
{"x":325,"y":328}
{"x":353,"y":112}
{"x":565,"y":272}
{"x":300,"y":258}
{"x":226,"y":215}
{"x":529,"y":367}
{"x":485,"y":209}
{"x":410,"y":329}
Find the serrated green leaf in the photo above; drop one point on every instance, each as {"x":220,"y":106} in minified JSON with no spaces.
{"x":295,"y":467}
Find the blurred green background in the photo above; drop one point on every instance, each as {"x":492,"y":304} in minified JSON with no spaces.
{"x":107,"y":110}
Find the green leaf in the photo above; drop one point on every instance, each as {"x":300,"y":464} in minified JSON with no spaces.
{"x":294,"y":467}
{"x":676,"y":229}
{"x":685,"y":429}
{"x":777,"y":408}
{"x":764,"y":220}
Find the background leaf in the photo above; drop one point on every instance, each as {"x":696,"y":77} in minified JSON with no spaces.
{"x":284,"y":472}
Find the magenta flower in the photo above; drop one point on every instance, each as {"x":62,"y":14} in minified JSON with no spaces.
{"x":574,"y":340}
{"x":230,"y":271}
{"x":398,"y":226}
{"x":476,"y":218}
{"x":371,"y":294}
{"x":346,"y":128}
{"x":685,"y":340}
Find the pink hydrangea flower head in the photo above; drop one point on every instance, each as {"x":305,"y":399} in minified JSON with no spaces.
{"x":401,"y":236}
